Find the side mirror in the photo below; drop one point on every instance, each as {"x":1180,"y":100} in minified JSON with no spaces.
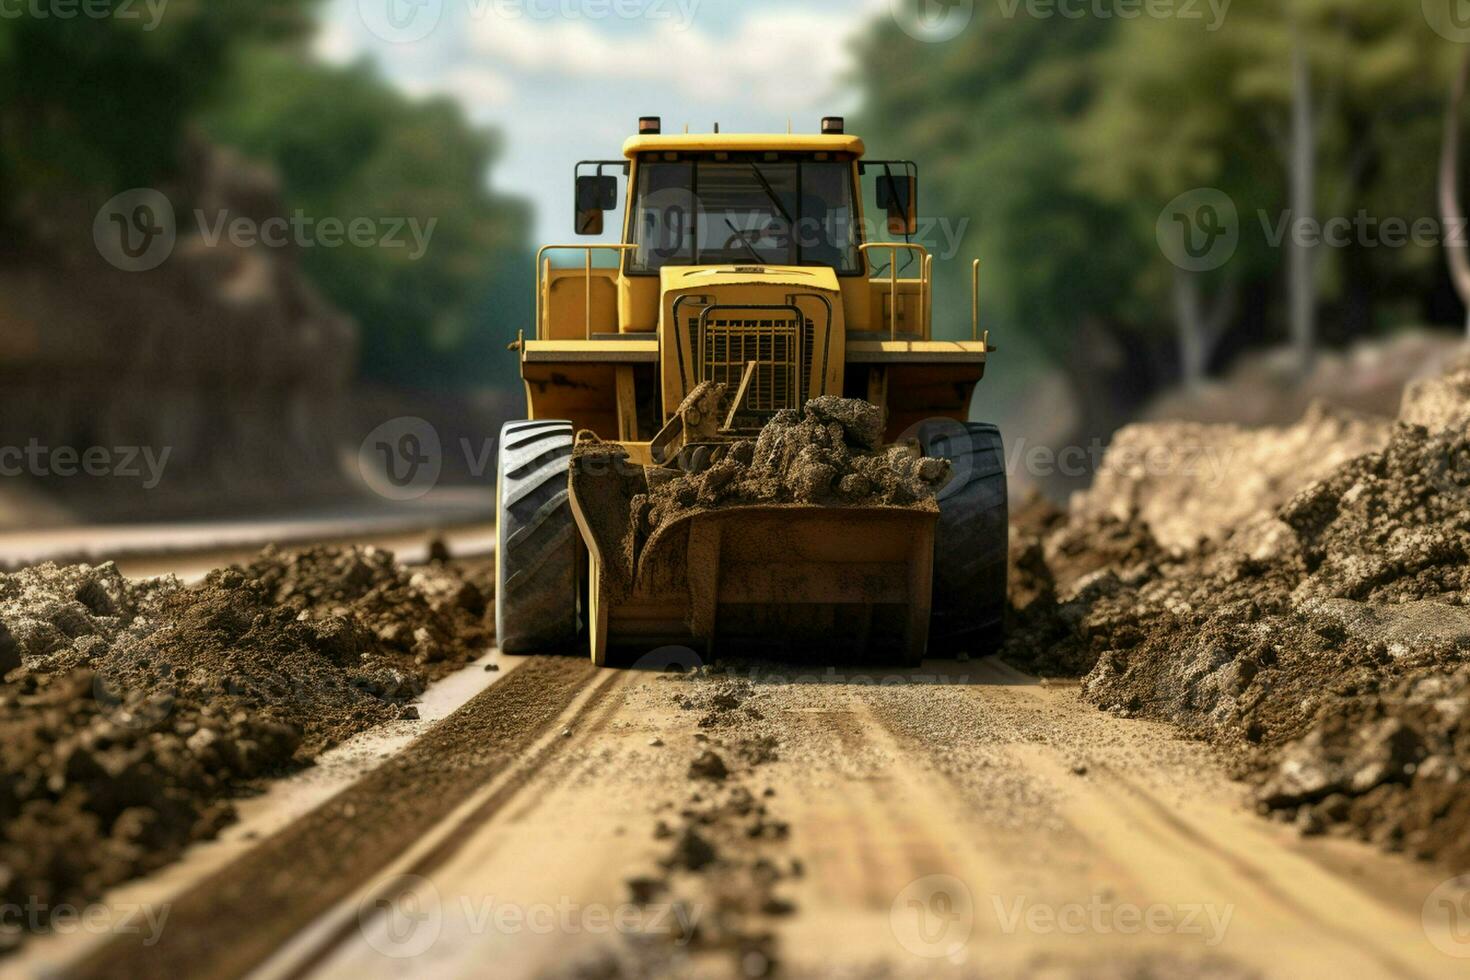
{"x":899,"y":196}
{"x":596,"y":195}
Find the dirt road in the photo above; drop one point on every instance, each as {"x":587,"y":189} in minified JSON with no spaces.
{"x":958,"y":819}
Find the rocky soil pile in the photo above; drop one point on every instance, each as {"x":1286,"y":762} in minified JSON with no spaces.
{"x":131,"y":713}
{"x":1190,"y":480}
{"x":1325,"y":643}
{"x":828,"y":453}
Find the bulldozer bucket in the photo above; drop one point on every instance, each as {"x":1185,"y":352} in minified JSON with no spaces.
{"x":850,"y":581}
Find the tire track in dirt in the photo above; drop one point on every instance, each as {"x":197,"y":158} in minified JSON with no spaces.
{"x":234,"y":920}
{"x":449,"y":840}
{"x":1147,"y":819}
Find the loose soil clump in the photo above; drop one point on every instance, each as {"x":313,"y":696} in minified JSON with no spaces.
{"x":826,"y":454}
{"x":132,"y":712}
{"x":1325,"y":645}
{"x":726,"y":860}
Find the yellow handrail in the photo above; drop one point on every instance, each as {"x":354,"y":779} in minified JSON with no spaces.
{"x":924,"y":267}
{"x":926,"y":304}
{"x":975,"y":300}
{"x":543,"y":273}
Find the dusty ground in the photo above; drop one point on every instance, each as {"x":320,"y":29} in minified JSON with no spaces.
{"x":754,"y":819}
{"x":1321,"y":636}
{"x":954,"y":821}
{"x":132,"y":713}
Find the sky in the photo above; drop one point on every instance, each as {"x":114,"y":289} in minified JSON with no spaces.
{"x":566,"y":80}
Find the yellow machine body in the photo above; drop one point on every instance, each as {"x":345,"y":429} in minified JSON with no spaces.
{"x":616,"y":352}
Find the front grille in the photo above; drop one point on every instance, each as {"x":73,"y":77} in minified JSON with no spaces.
{"x":776,"y":341}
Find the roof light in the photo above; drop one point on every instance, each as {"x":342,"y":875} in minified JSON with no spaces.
{"x":650,"y":125}
{"x":833,"y":126}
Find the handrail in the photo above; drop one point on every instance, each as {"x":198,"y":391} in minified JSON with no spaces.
{"x":975,"y":301}
{"x":543,"y":274}
{"x":924,"y":269}
{"x":926,"y":305}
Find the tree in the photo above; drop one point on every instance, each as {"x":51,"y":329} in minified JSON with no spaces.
{"x":1291,"y":108}
{"x":92,"y":106}
{"x":989,"y":116}
{"x":346,"y":145}
{"x":1452,"y":212}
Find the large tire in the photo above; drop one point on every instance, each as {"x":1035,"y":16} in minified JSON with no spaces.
{"x":536,"y":567}
{"x":972,"y":541}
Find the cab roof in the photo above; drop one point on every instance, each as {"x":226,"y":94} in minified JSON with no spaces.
{"x":743,"y":142}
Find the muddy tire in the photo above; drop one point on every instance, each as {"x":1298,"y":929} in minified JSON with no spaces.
{"x":972,"y":541}
{"x":536,"y":566}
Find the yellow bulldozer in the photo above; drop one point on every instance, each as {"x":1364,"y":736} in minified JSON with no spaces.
{"x":746,"y":284}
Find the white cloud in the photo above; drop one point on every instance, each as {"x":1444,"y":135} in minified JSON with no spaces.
{"x":565,"y":88}
{"x":780,"y":59}
{"x":335,"y":42}
{"x":475,"y":85}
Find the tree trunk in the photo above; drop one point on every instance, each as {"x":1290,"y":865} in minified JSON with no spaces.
{"x":1302,"y":262}
{"x":1199,"y":331}
{"x":1452,"y":213}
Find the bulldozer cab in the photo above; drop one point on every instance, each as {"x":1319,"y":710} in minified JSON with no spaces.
{"x":750,"y":261}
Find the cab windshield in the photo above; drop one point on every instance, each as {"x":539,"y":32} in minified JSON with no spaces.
{"x":744,"y":211}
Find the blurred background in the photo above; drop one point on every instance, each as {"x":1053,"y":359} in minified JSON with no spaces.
{"x":237,"y":237}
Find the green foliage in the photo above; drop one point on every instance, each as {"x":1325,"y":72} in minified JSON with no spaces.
{"x":347,"y":146}
{"x":101,"y":104}
{"x":990,"y":117}
{"x":1065,"y":138}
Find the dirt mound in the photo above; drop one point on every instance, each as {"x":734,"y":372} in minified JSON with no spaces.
{"x":1439,"y":402}
{"x":1189,"y":480}
{"x":1268,"y":388}
{"x":133,"y":712}
{"x":826,"y":454}
{"x":1329,"y":656}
